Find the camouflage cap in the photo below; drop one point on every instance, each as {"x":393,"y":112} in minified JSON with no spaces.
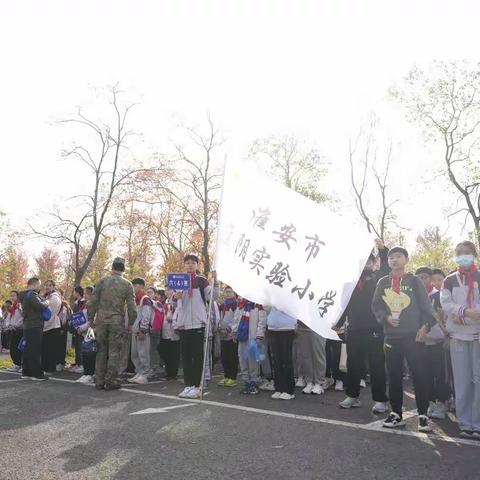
{"x":119,"y":260}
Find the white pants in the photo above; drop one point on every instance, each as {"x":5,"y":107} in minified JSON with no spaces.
{"x":141,"y":353}
{"x":466,"y":378}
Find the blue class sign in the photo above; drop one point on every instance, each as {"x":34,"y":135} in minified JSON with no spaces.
{"x":179,"y":281}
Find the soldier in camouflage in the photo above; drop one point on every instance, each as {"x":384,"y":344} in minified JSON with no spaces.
{"x":113,"y":295}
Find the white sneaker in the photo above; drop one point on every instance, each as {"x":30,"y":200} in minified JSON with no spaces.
{"x":286,"y":396}
{"x":363,"y":383}
{"x":350,"y":402}
{"x":439,"y":411}
{"x":132,"y":380}
{"x":89,"y":380}
{"x":59,"y":367}
{"x":194,"y":392}
{"x":14,"y":368}
{"x":184,"y":393}
{"x":82,"y":379}
{"x":276,"y":395}
{"x":301,"y":383}
{"x":431,"y":408}
{"x":328,"y":383}
{"x":380,"y":407}
{"x":339,"y":386}
{"x":267,"y":386}
{"x":77,"y":369}
{"x":317,"y":389}
{"x":140,"y":380}
{"x":308,"y":389}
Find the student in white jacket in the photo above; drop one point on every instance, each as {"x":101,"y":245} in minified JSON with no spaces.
{"x":141,"y":332}
{"x":250,"y":322}
{"x":52,"y":338}
{"x":14,"y":325}
{"x":460,"y":299}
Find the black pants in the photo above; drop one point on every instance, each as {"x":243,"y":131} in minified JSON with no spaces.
{"x":169,"y":352}
{"x":5,"y":339}
{"x":396,"y":350}
{"x":333,"y":351}
{"x":191,"y":343}
{"x":15,"y":353}
{"x":229,"y":355}
{"x":51,"y":345}
{"x":77,"y":341}
{"x":62,"y":346}
{"x":88,"y":361}
{"x":282,"y":350}
{"x":436,"y":373}
{"x":32,"y":355}
{"x":363,"y":346}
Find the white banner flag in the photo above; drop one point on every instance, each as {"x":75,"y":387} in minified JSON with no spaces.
{"x":276,"y":247}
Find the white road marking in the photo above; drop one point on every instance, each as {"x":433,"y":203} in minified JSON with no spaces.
{"x":328,"y":421}
{"x":162,"y":410}
{"x":13,"y":380}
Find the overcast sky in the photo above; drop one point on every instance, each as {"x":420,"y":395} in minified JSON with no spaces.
{"x":314,"y":69}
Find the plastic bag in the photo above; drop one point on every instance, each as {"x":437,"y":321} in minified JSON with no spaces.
{"x":255,"y":351}
{"x":89,"y":344}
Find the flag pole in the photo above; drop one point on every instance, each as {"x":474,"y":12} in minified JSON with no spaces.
{"x":210,"y":302}
{"x":206,"y":352}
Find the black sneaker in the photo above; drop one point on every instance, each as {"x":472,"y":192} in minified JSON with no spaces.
{"x":99,"y":387}
{"x":40,"y":378}
{"x":246,"y":389}
{"x":423,"y":425}
{"x":466,"y":434}
{"x":254,"y":389}
{"x":394,"y":421}
{"x":112,"y":386}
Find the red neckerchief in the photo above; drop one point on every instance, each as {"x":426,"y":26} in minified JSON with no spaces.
{"x":193,"y":283}
{"x":430,"y":289}
{"x":139,"y":296}
{"x":13,"y":308}
{"x":397,"y":282}
{"x":469,"y":274}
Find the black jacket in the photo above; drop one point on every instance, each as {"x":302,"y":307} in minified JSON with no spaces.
{"x":359,"y":310}
{"x":32,"y":306}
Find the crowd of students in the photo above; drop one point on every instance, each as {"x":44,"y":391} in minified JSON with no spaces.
{"x":434,"y":338}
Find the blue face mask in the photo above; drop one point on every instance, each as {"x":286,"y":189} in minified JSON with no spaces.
{"x":464,"y":260}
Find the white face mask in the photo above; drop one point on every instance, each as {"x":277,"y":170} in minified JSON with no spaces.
{"x":464,"y":260}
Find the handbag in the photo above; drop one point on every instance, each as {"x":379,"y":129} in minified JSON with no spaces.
{"x":89,"y":344}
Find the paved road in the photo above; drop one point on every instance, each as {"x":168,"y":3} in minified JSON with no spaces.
{"x":61,"y":430}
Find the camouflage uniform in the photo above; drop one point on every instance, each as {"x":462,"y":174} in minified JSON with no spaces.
{"x":109,"y":299}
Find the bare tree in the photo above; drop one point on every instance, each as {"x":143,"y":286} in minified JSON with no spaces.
{"x":188,"y":181}
{"x":445,"y":100}
{"x":293,"y":163}
{"x":84,"y":218}
{"x":363,"y":154}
